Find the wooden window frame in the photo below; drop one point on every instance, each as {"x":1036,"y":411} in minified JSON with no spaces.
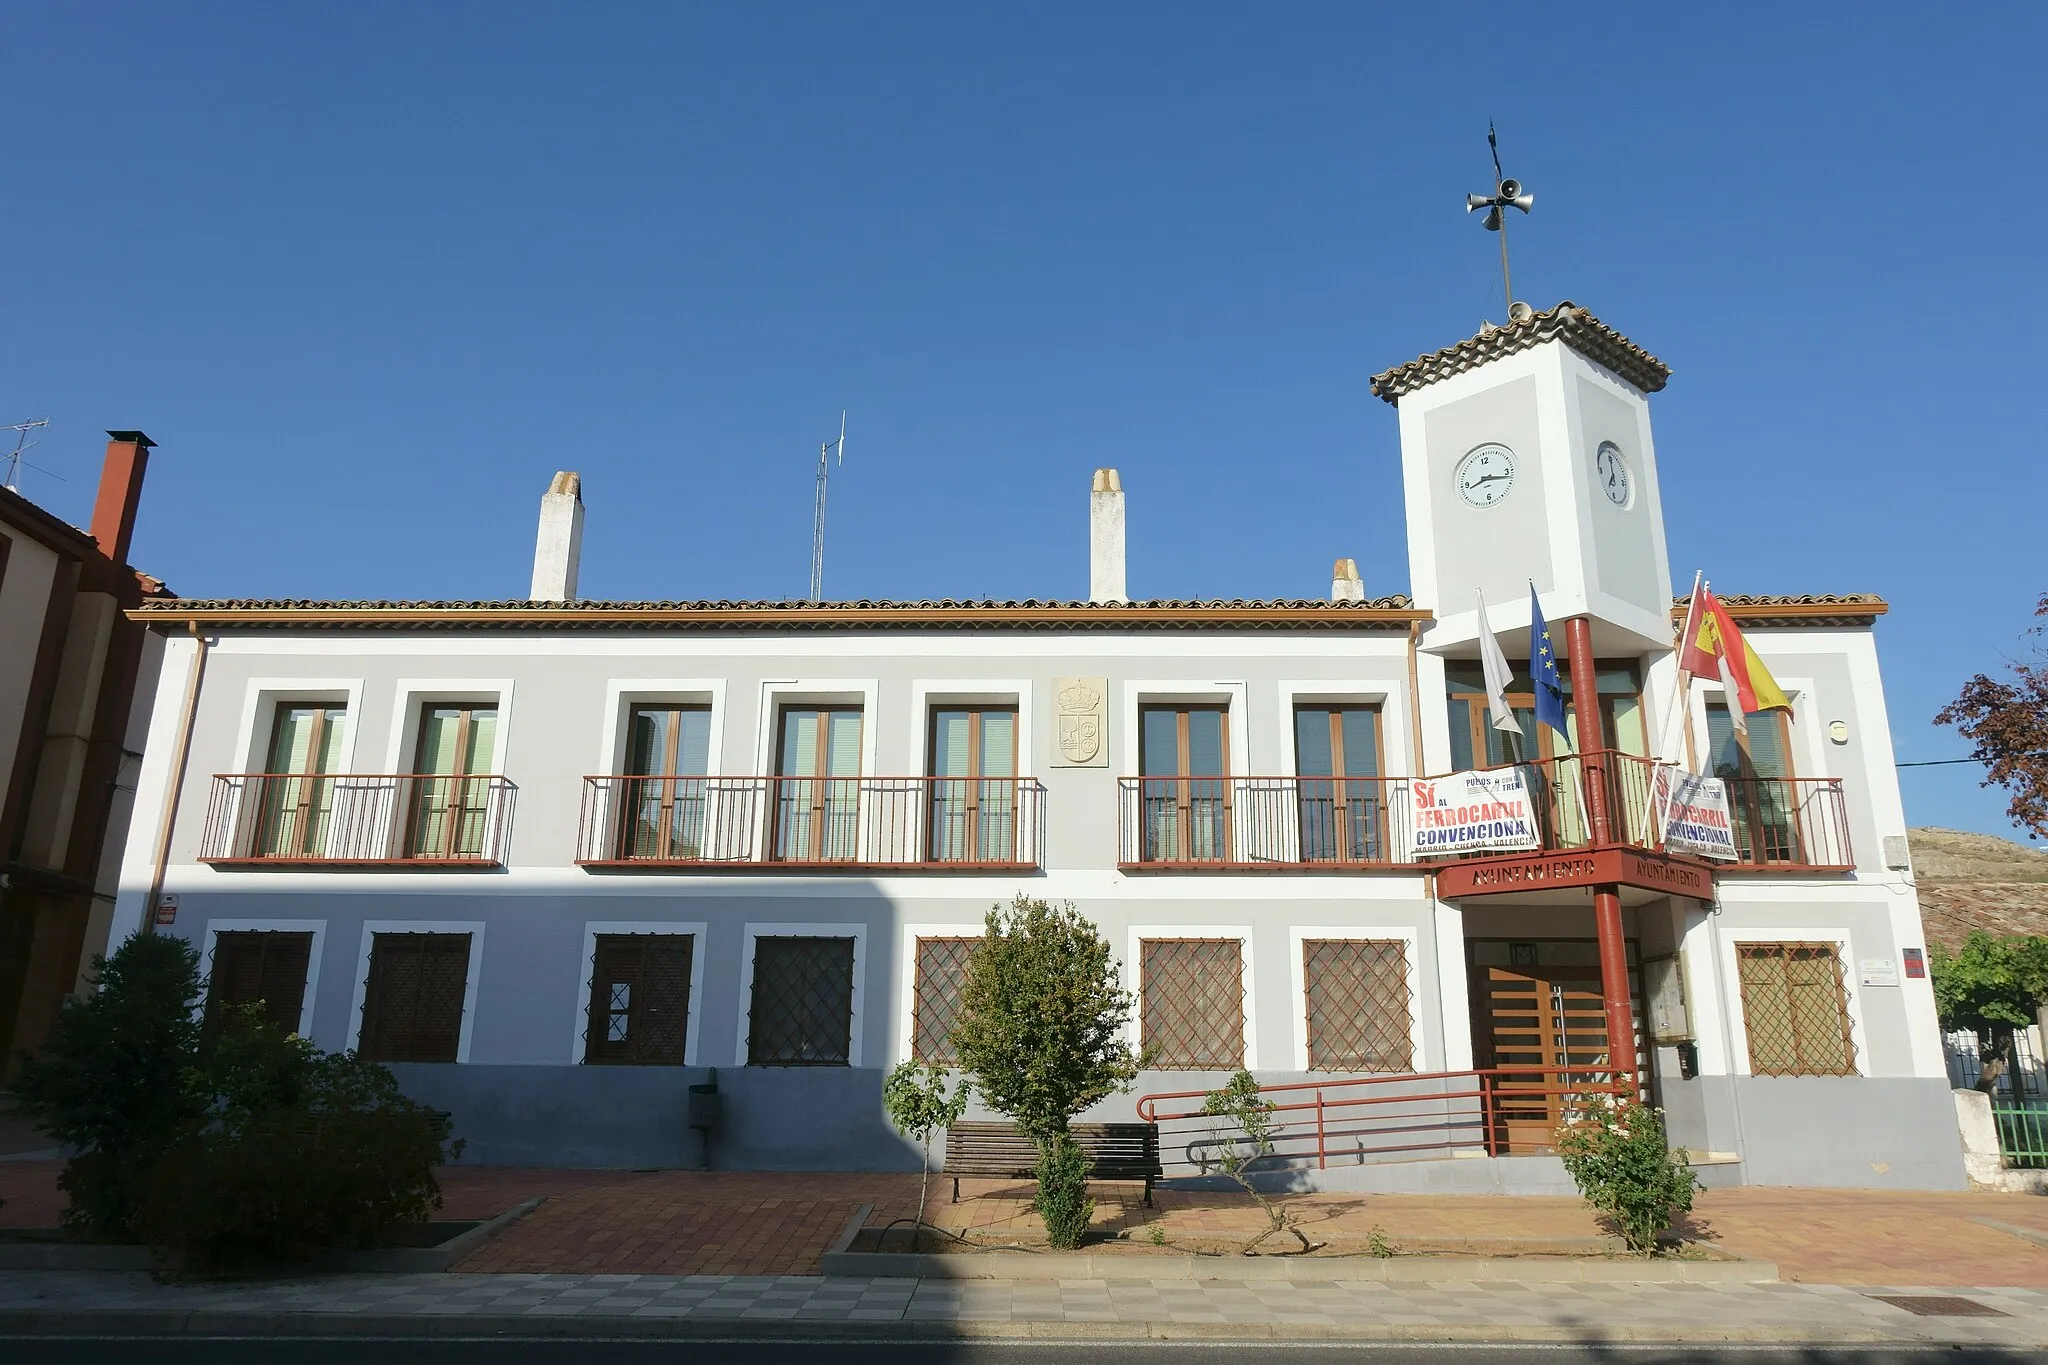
{"x":1341,"y":797}
{"x":459,"y":803}
{"x":1182,"y":792}
{"x":305,"y":785}
{"x":976,"y":830}
{"x":598,"y":1048}
{"x":369,"y":1043}
{"x":670,"y":788}
{"x":825,"y":793}
{"x":266,"y":940}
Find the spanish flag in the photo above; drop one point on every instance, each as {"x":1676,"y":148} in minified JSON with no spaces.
{"x":1710,"y":644}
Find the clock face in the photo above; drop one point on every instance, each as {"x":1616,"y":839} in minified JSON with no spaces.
{"x":1486,"y":475}
{"x":1612,"y":468}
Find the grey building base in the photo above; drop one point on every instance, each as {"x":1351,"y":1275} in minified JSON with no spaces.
{"x":774,"y":1119}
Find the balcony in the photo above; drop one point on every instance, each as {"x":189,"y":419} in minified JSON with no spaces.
{"x":1296,"y":824}
{"x":405,"y":820}
{"x":700,"y":824}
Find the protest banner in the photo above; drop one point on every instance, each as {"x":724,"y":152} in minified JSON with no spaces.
{"x":1694,"y":814}
{"x":1471,"y":812}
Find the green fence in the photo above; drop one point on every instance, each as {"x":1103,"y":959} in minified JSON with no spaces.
{"x":2022,"y":1133}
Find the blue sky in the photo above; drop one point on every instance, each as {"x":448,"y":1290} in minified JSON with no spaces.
{"x":369,"y":273}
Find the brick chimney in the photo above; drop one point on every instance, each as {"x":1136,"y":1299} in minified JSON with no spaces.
{"x":113,"y":512}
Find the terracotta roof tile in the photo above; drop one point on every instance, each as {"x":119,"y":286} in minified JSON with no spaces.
{"x":1567,"y":322}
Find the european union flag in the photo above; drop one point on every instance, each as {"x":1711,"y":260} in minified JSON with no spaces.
{"x":1543,"y":670}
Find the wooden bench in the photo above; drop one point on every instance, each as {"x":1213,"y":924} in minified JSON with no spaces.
{"x":1115,"y":1151}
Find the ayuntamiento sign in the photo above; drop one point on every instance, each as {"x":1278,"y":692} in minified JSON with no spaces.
{"x":1469,"y":812}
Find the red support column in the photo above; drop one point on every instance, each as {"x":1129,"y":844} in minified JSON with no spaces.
{"x":1614,"y":992}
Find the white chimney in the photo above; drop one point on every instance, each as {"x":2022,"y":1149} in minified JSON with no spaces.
{"x":560,"y":545}
{"x":1106,"y":539}
{"x":1345,"y":584}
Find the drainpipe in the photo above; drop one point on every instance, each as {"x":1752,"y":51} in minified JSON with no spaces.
{"x":177,"y":787}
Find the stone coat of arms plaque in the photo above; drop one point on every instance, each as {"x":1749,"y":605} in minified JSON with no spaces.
{"x":1080,"y":732}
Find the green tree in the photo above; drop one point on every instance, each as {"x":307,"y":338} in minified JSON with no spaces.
{"x":1240,"y":1101}
{"x":1991,"y":987}
{"x":114,"y":1079}
{"x":1041,"y":1027}
{"x":2006,"y":720}
{"x":918,"y":1103}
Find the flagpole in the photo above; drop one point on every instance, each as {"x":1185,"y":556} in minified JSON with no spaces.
{"x":1681,"y":678}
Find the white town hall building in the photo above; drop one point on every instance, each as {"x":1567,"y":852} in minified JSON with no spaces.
{"x":557,"y":860}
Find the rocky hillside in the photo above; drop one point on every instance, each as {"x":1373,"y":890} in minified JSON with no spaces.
{"x":1978,"y":881}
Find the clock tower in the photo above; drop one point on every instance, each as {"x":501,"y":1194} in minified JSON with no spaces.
{"x":1526,"y":455}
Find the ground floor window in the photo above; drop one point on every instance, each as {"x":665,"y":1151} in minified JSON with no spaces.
{"x":935,"y":1006}
{"x":260,"y":967}
{"x":639,"y":999}
{"x":1795,"y":1008}
{"x":414,"y":999}
{"x":1356,"y":997}
{"x":1191,"y":1003}
{"x":802,"y":1008}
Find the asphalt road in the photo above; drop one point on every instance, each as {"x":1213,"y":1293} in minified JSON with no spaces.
{"x":294,"y":1351}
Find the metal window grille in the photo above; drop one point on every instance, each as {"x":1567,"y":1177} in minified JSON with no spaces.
{"x":802,"y":1010}
{"x":639,"y":1000}
{"x":1358,"y":1006}
{"x":941,"y":975}
{"x":266,"y":967}
{"x":413,"y":1001}
{"x":1192,"y":1003}
{"x":1795,"y":1006}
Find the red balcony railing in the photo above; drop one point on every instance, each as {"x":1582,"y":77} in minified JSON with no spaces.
{"x":1338,"y":824}
{"x":1270,"y":823}
{"x":699,"y":823}
{"x":404,"y":819}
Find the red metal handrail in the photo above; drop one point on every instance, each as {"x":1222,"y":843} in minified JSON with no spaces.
{"x":1489,"y":1108}
{"x":315,"y":819}
{"x":810,"y":822}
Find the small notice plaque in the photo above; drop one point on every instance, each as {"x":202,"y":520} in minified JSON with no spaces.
{"x":1916,"y":964}
{"x":1878,"y":971}
{"x":166,"y":909}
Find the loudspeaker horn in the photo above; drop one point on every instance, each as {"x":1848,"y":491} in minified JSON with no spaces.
{"x":1492,"y":223}
{"x":1510,"y":188}
{"x":1476,"y":201}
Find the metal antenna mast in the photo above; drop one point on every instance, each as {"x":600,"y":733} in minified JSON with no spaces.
{"x":825,"y":450}
{"x":1506,"y":194}
{"x":22,"y":443}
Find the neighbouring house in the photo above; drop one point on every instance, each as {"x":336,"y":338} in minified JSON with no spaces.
{"x":73,"y":664}
{"x":555,"y":860}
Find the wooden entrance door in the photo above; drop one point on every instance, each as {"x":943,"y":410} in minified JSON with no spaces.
{"x":1539,"y":1004}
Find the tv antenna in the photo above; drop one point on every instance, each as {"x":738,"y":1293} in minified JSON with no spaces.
{"x":826,"y":450}
{"x":24,"y":439}
{"x":1506,"y":194}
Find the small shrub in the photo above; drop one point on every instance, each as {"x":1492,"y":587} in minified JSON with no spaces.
{"x":1157,"y":1234}
{"x":1252,"y":1114}
{"x":1377,"y":1245}
{"x":114,"y":1078}
{"x":1617,"y":1155}
{"x":301,"y":1151}
{"x":1062,"y":1199}
{"x":917,"y":1102}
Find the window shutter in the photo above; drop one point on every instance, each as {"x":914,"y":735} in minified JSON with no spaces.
{"x":801,"y":1013}
{"x":264,"y":966}
{"x":1192,"y":1003}
{"x":413,"y":1002}
{"x":1358,"y":1005}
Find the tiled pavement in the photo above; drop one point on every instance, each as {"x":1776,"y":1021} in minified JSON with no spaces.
{"x":717,"y":1305}
{"x":762,"y":1223}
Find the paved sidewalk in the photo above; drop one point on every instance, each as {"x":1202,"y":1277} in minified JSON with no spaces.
{"x":108,"y":1303}
{"x":772,"y":1223}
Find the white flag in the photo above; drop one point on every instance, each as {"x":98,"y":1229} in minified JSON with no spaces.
{"x":1495,"y":665}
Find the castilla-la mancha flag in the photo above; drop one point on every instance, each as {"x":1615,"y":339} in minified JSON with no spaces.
{"x":1711,"y":644}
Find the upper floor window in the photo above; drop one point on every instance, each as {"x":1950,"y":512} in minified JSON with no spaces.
{"x":1475,"y":743}
{"x":1184,"y":760}
{"x":973,"y":788}
{"x":1762,"y":799}
{"x":668,"y":752}
{"x":296,"y":802}
{"x":451,"y":798}
{"x":817,"y":817}
{"x":1337,"y":759}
